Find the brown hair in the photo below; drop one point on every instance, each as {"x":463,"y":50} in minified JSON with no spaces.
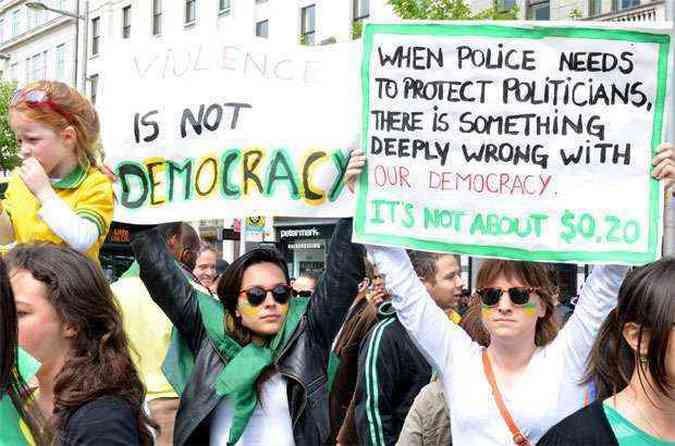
{"x":11,"y":382}
{"x":70,"y":109}
{"x":425,"y":264}
{"x":530,"y":274}
{"x":98,"y":362}
{"x":646,"y":298}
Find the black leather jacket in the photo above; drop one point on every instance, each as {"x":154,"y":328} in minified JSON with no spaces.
{"x":303,"y":362}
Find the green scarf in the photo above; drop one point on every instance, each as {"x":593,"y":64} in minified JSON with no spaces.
{"x":10,"y":423}
{"x":237,"y":380}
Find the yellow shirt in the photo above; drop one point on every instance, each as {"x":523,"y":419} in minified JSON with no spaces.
{"x":454,"y":316}
{"x":87,"y":191}
{"x":149,"y":333}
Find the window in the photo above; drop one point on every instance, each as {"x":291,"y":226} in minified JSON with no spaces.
{"x":262,"y":29}
{"x":361,"y":9}
{"x":126,"y":22}
{"x":93,"y":92}
{"x":190,"y":11}
{"x":506,"y":5}
{"x":35,"y":67}
{"x":27,"y":73}
{"x":60,"y":62}
{"x":156,"y":17}
{"x":13,"y":72}
{"x":43,"y":67}
{"x":594,"y":7}
{"x":16,"y":22}
{"x":620,"y":5}
{"x":308,"y":25}
{"x":224,"y":6}
{"x":95,"y":35}
{"x":539,"y":11}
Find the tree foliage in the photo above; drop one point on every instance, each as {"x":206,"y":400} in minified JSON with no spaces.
{"x":449,"y":10}
{"x":8,"y":147}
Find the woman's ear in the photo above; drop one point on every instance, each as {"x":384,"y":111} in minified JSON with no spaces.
{"x":69,"y":331}
{"x":631,"y":333}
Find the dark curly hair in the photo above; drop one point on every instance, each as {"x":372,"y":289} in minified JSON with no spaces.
{"x":98,"y":362}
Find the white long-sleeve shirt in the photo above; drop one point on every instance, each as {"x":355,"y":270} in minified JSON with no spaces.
{"x":547,"y":391}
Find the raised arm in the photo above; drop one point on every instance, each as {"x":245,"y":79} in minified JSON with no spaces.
{"x":168,"y":286}
{"x":338,"y":286}
{"x":597,"y":299}
{"x":429,"y":327}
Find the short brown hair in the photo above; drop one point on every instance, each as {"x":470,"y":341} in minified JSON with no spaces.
{"x":531,"y":274}
{"x":425,"y":264}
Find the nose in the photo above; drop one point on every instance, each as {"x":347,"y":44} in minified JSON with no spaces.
{"x":24,"y":151}
{"x":505,"y":304}
{"x":269,"y":300}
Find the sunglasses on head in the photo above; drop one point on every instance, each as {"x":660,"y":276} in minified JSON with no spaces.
{"x":518,"y":295}
{"x":256,"y":294}
{"x":37,"y":97}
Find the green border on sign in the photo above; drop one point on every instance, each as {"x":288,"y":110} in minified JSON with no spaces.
{"x":655,"y":209}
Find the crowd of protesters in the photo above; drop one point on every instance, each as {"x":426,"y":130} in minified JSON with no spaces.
{"x":384,"y":347}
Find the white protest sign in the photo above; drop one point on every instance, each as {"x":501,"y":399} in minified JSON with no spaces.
{"x":514,"y":141}
{"x":204,"y":127}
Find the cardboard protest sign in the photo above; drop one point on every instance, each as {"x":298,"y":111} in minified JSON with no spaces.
{"x":204,"y":127}
{"x":522,"y":142}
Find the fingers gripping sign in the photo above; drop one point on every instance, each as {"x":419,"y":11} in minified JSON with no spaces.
{"x":357,"y":162}
{"x":664,"y":165}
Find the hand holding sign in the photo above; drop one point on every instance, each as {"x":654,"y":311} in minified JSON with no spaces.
{"x":357,"y":161}
{"x":664,"y":165}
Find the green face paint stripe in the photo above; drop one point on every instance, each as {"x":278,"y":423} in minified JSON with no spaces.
{"x":372,"y":388}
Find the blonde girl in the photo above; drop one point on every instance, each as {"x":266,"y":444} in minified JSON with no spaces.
{"x":59,"y":194}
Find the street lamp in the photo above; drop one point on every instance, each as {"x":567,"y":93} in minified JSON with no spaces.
{"x":40,"y":6}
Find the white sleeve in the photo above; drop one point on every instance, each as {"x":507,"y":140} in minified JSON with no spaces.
{"x":78,"y":233}
{"x":598,"y":298}
{"x":429,"y":327}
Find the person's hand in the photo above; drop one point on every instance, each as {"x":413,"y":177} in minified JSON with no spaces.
{"x":664,"y":164}
{"x":357,"y":160}
{"x":35,"y":178}
{"x":377,"y":297}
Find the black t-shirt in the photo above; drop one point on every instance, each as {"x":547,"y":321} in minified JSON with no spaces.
{"x":106,"y":421}
{"x":585,"y":427}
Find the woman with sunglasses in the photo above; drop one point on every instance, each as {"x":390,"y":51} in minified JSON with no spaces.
{"x":527,"y":379}
{"x":260,"y":369}
{"x":59,"y":194}
{"x":632,"y":364}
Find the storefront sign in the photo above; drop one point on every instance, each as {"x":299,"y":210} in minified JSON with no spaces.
{"x":522,"y":142}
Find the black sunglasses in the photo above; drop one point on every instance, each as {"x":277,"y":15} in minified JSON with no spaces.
{"x":518,"y":295}
{"x":256,"y":294}
{"x":303,"y":293}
